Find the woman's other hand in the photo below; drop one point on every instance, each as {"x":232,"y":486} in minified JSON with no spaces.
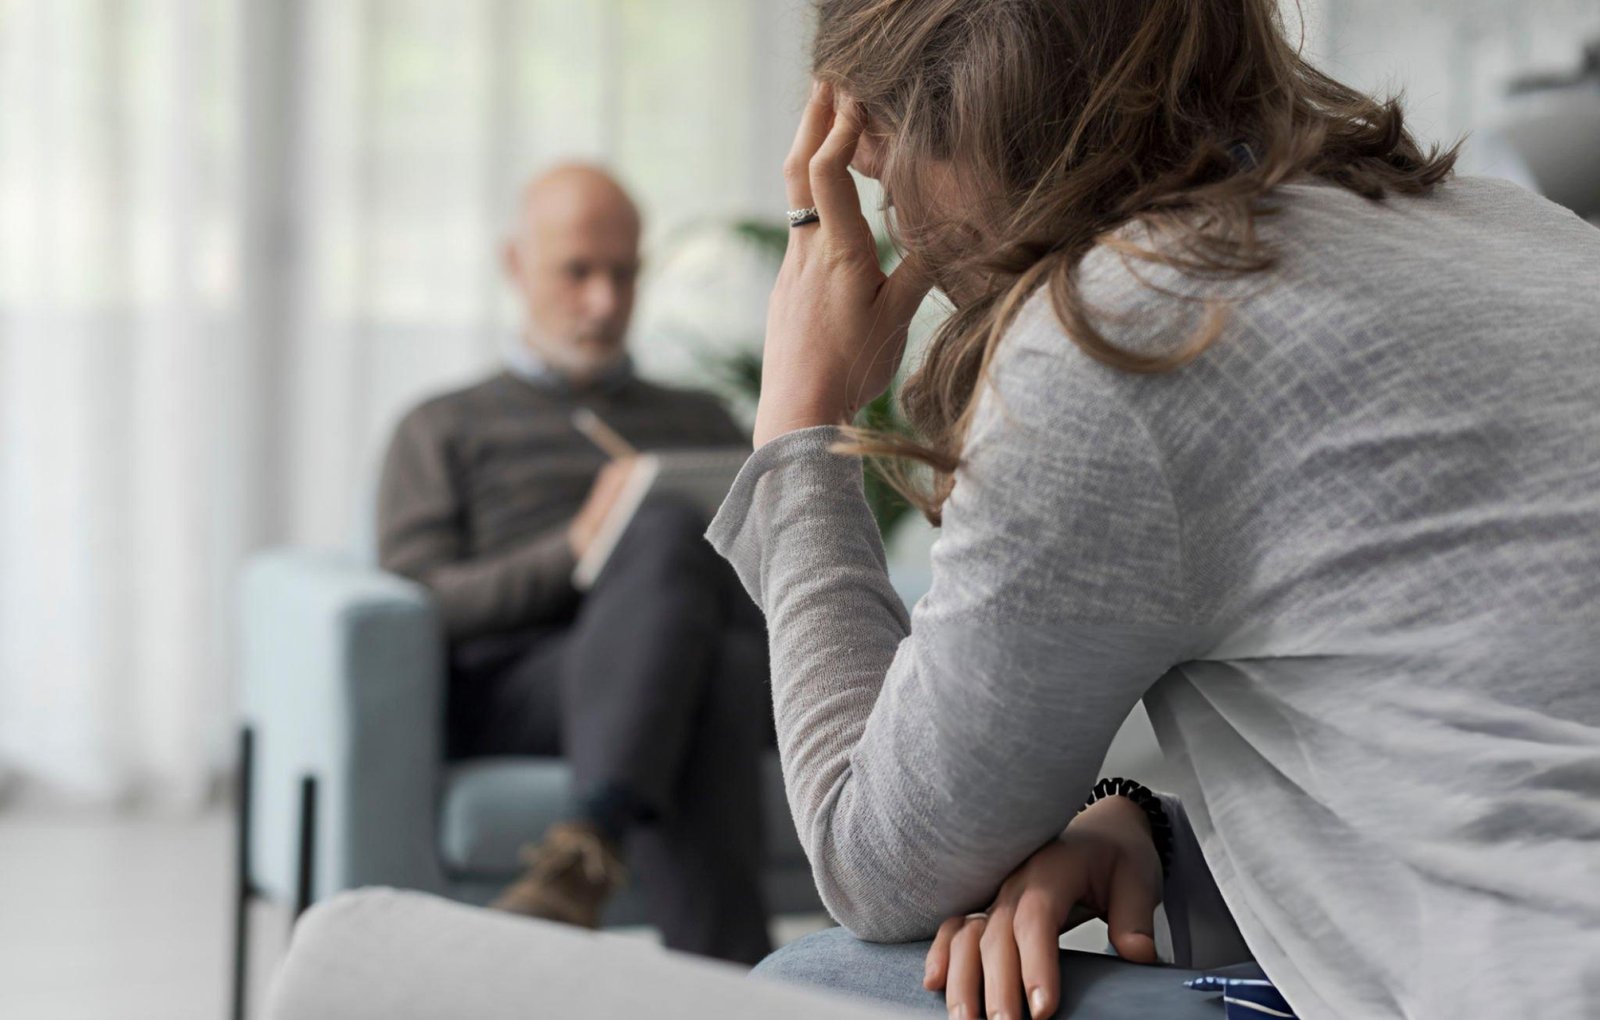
{"x":836,"y":325}
{"x":1105,"y":861}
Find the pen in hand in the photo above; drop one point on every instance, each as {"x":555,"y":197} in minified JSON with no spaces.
{"x":602,"y":435}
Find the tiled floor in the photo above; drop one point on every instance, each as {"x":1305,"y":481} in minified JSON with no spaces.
{"x":118,"y":917}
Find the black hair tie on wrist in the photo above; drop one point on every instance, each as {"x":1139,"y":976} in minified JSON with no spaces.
{"x":1150,"y":804}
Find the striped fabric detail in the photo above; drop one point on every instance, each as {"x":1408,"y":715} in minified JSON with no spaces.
{"x":1244,"y":998}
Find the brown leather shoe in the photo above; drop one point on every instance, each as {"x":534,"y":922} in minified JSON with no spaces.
{"x":568,"y":877}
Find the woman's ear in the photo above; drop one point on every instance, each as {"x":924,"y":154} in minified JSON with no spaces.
{"x":869,"y":157}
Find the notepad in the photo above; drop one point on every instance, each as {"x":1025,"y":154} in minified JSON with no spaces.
{"x":700,"y":476}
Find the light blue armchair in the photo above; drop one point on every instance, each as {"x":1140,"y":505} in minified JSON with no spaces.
{"x":343,"y":777}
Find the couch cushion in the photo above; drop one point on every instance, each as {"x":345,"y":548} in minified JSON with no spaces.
{"x":492,"y":806}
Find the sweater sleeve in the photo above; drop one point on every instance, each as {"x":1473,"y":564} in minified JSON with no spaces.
{"x":926,"y":757}
{"x":421,"y":535}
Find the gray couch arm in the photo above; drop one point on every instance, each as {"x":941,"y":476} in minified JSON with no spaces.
{"x":379,"y":954}
{"x":343,"y":673}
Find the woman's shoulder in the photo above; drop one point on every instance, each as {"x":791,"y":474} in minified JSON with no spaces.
{"x":1137,"y":305}
{"x":1041,"y":380}
{"x":1145,"y":288}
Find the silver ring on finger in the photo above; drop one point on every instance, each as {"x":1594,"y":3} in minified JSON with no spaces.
{"x":801,"y":217}
{"x":977,"y":915}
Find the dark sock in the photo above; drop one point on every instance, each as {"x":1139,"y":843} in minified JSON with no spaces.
{"x":613,"y":810}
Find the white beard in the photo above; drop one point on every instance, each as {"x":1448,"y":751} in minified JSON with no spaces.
{"x":579,"y":366}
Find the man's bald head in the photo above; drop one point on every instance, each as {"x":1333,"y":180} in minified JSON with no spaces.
{"x":574,"y":192}
{"x":574,"y":258}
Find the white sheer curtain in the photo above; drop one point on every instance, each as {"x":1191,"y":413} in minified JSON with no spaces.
{"x":238,"y":238}
{"x":118,"y":286}
{"x":424,"y":121}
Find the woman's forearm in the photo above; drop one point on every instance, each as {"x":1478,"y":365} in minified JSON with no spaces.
{"x":834,"y":622}
{"x":923,"y":763}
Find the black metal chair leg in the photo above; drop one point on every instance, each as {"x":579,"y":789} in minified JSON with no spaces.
{"x":242,"y":891}
{"x":308,"y":845}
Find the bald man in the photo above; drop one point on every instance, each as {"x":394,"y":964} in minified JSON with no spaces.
{"x":652,"y":684}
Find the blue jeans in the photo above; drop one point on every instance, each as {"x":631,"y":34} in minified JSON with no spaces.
{"x":1093,"y":986}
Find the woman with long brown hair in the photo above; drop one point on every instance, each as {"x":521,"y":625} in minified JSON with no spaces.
{"x":1247,"y":407}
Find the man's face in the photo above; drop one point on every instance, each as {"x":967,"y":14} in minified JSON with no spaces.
{"x":575,"y":265}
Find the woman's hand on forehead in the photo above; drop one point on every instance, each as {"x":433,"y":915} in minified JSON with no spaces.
{"x":836,"y":324}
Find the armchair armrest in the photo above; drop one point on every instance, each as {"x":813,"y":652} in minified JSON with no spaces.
{"x":343,"y":674}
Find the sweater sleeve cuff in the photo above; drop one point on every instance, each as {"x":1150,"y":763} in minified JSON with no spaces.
{"x":523,"y":585}
{"x":794,"y":470}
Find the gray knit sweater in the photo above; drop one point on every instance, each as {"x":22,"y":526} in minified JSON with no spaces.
{"x":479,"y":486}
{"x":1350,"y":559}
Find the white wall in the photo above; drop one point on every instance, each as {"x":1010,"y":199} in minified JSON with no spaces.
{"x":1453,"y":58}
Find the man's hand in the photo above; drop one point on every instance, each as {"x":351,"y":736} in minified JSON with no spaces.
{"x":604,"y":492}
{"x":1105,"y":861}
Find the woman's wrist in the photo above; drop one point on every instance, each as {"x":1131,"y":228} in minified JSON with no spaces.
{"x":775,"y":419}
{"x":1117,"y":812}
{"x":1126,"y":799}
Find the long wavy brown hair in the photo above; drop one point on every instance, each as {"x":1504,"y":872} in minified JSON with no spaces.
{"x":1067,"y":121}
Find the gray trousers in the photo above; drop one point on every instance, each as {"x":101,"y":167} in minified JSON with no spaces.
{"x":1093,"y":986}
{"x":657,"y":685}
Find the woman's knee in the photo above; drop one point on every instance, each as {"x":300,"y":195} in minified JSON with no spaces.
{"x":845,"y":964}
{"x":815,"y":958}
